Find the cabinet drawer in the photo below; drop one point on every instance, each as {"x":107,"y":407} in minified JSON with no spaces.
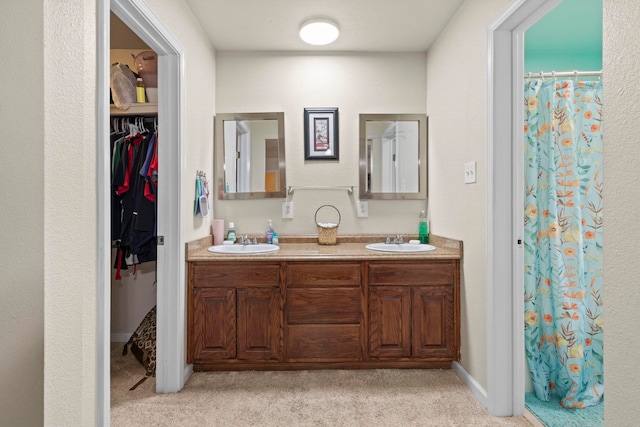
{"x":235,"y":275}
{"x":323,"y":274}
{"x":323,"y":305}
{"x":323,"y":342}
{"x":408,"y":274}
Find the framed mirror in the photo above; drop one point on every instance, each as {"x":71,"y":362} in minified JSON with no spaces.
{"x":393,"y":156}
{"x":249,"y":156}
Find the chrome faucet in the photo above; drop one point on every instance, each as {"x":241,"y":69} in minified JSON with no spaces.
{"x":245,"y":240}
{"x":396,"y":240}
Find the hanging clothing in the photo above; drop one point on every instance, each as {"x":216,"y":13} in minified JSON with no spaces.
{"x":134,"y":212}
{"x":563,"y":240}
{"x":150,"y":185}
{"x":117,"y":140}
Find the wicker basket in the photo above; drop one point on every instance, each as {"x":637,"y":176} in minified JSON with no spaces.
{"x":327,"y":235}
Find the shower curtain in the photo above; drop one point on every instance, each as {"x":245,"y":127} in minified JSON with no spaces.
{"x":563,"y":240}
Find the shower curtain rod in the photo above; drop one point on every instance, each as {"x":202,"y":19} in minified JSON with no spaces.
{"x":574,"y":73}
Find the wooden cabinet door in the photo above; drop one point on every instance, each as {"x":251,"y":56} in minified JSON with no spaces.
{"x":214,"y":324}
{"x":433,"y":322}
{"x":259,"y":324}
{"x":389,"y":322}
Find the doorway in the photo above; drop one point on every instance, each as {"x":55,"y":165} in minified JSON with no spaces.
{"x":134,"y":177}
{"x":505,"y":267}
{"x":171,"y":369}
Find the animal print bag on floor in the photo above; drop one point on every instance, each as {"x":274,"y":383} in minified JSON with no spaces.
{"x":143,"y":345}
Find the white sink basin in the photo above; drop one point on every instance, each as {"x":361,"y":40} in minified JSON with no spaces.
{"x":244,"y":249}
{"x":399,"y":247}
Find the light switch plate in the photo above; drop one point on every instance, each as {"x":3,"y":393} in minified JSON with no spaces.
{"x":470,"y":173}
{"x":287,"y":210}
{"x":363,"y":209}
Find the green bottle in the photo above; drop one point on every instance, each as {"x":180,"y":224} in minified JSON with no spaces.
{"x":423,"y":229}
{"x":231,"y":232}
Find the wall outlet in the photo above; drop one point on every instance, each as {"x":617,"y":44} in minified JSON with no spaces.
{"x":470,"y":173}
{"x":287,"y":210}
{"x":363,"y":209}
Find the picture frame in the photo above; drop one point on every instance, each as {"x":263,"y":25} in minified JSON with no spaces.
{"x":321,"y":134}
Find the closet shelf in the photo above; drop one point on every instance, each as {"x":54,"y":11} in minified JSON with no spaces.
{"x":150,"y":108}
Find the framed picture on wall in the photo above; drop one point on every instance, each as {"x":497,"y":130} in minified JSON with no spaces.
{"x":321,"y":134}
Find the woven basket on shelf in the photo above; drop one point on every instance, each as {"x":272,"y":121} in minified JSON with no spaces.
{"x":327,"y":235}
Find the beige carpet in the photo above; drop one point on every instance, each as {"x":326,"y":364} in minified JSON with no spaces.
{"x":298,"y":398}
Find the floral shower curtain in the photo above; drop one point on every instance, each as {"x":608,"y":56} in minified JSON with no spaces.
{"x":563,"y":240}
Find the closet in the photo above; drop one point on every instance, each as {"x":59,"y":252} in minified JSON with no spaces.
{"x":134,"y":141}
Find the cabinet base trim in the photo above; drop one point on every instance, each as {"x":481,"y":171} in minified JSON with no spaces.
{"x":262,"y":366}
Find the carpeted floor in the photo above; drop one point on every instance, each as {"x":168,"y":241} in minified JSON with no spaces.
{"x":551,"y":414}
{"x":299,"y":398}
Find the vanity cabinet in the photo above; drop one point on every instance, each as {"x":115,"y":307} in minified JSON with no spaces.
{"x":235,"y":312}
{"x":412,"y":311}
{"x":310,"y":314}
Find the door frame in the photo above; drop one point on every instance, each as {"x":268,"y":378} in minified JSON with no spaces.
{"x":171,"y":369}
{"x":505,"y":195}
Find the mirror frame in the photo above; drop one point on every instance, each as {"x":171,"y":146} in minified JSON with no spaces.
{"x":423,"y":147}
{"x":219,"y":156}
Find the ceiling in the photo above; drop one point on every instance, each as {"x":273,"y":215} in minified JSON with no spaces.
{"x":365,"y":25}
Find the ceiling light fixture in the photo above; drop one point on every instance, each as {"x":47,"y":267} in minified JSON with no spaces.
{"x":319,"y":32}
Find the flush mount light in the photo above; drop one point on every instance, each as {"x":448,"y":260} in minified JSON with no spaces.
{"x":319,"y":31}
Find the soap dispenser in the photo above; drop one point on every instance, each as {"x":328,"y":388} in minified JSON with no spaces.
{"x":269,"y":232}
{"x":423,"y":228}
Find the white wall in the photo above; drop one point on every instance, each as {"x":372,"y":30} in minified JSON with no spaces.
{"x":199,"y":78}
{"x":70,"y":212}
{"x":356,"y":84}
{"x":456,"y":105}
{"x":131,"y":298}
{"x":621,"y":227}
{"x":22,"y":218}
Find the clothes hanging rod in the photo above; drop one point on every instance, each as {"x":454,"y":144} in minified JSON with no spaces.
{"x":290,"y":189}
{"x":553,"y":74}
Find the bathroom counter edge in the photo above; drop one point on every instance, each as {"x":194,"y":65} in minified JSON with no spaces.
{"x":349,"y":247}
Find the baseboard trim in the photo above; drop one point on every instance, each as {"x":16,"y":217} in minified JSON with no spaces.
{"x":121,"y":337}
{"x":532,"y":418}
{"x":476,"y":389}
{"x":186,"y":374}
